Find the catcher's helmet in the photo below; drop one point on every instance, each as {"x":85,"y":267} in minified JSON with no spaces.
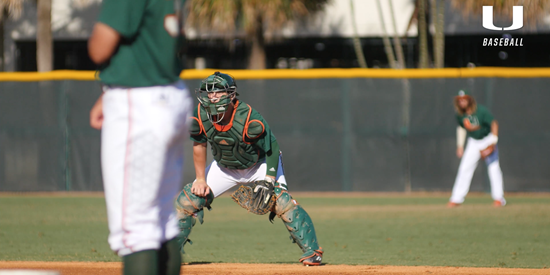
{"x":218,"y":82}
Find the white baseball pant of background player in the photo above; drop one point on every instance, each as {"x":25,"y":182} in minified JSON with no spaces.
{"x":142,"y":159}
{"x":467,"y":167}
{"x":221,"y":179}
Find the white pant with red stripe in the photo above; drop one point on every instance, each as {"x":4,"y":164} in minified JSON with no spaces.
{"x":142,"y":159}
{"x":468,"y":165}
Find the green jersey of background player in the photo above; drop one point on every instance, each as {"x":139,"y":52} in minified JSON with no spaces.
{"x":244,"y":151}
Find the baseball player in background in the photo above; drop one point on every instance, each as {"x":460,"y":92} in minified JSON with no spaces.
{"x":143,"y":114}
{"x":478,"y":124}
{"x":244,"y":151}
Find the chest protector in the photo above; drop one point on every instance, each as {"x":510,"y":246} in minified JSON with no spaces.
{"x":231,"y":144}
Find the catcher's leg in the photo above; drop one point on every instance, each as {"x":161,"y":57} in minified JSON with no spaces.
{"x":188,"y":207}
{"x":299,"y":225}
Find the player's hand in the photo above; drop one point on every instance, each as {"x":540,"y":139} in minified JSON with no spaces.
{"x":200,"y":188}
{"x":96,"y":114}
{"x":487,"y":151}
{"x":459,"y":152}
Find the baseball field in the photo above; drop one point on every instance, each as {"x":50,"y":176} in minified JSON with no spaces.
{"x":360,"y":233}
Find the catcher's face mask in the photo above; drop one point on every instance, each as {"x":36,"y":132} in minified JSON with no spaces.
{"x":209,"y":95}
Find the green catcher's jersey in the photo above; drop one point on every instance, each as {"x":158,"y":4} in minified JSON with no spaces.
{"x":482,"y":118}
{"x":150,"y":39}
{"x":239,"y":145}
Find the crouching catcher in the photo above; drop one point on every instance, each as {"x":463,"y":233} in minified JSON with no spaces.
{"x":245,"y":151}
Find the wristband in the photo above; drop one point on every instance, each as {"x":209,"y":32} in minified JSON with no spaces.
{"x":493,"y":138}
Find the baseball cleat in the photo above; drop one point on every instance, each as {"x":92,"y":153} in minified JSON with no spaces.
{"x":498,"y":204}
{"x":452,"y":204}
{"x":315,"y":260}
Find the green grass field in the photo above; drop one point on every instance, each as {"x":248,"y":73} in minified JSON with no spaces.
{"x":371,"y":230}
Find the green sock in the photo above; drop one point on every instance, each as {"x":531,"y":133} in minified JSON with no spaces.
{"x":141,"y":263}
{"x":169,"y":258}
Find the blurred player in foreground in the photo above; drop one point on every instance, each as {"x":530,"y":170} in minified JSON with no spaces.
{"x":478,"y":124}
{"x":143,"y":114}
{"x":245,"y":151}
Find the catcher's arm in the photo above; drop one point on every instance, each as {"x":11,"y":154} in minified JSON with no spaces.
{"x":272,"y":161}
{"x":200,"y":188}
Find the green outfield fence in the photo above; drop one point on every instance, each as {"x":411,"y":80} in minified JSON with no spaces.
{"x":339,"y":129}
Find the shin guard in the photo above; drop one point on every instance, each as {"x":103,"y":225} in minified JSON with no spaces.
{"x":298,"y":224}
{"x":185,"y":224}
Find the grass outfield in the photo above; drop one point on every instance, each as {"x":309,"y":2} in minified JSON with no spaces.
{"x":359,"y":230}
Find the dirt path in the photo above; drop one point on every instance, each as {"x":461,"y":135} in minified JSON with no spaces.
{"x":73,"y":268}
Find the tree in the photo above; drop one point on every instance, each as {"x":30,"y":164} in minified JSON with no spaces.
{"x":8,"y":8}
{"x":356,"y":41}
{"x":421,"y":10}
{"x":424,"y":59}
{"x":44,"y":40}
{"x":385,"y":39}
{"x":438,"y":21}
{"x":396,"y":40}
{"x":254,"y":17}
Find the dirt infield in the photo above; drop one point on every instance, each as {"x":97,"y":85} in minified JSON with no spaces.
{"x":109,"y":268}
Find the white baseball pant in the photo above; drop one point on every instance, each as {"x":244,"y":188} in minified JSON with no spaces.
{"x":142,"y":159}
{"x":468,"y":165}
{"x":221,"y":179}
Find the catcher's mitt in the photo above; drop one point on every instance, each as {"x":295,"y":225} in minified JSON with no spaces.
{"x":487,"y":151}
{"x":258,"y":199}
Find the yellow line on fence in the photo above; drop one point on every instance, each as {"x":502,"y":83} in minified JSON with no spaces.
{"x":325,"y":73}
{"x":305,"y":74}
{"x":53,"y":75}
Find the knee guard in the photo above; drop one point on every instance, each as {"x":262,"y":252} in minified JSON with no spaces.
{"x":298,"y":223}
{"x":189,"y":206}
